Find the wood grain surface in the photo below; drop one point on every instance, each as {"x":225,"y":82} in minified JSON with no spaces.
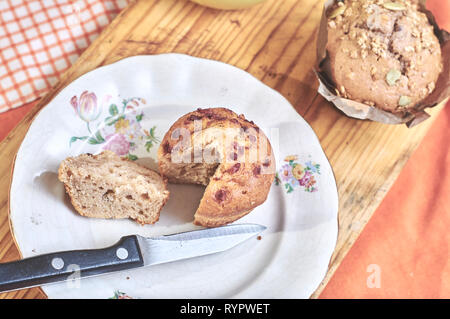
{"x":275,"y":42}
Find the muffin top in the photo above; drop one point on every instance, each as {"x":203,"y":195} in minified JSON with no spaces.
{"x":382,"y":53}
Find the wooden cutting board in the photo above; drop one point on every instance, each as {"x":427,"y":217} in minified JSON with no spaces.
{"x":275,"y":42}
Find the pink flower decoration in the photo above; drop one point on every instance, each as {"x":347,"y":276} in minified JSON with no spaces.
{"x":86,"y":106}
{"x":306,"y":178}
{"x":117,"y":143}
{"x":74,"y":103}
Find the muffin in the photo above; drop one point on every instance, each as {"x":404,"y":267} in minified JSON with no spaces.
{"x":382,"y":53}
{"x":226,"y":153}
{"x":106,"y":186}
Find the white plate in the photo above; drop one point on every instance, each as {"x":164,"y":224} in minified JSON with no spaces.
{"x":290,"y":259}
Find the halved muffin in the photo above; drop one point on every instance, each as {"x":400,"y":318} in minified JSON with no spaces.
{"x":225,"y":152}
{"x":106,"y":186}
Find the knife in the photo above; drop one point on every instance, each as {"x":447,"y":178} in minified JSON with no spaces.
{"x":129,"y":252}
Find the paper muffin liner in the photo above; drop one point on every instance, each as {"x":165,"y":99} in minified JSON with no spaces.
{"x":414,"y":116}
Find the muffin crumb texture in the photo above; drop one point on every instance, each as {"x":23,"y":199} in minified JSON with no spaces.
{"x":382,"y":53}
{"x":106,"y":186}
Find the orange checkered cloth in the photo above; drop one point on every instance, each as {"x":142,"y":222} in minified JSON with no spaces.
{"x":40,"y":39}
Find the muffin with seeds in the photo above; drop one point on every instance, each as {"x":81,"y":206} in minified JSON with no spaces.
{"x":382,"y":53}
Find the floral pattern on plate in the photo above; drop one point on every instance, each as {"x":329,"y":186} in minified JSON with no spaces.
{"x":120,"y":295}
{"x":295,"y":175}
{"x":121,"y":131}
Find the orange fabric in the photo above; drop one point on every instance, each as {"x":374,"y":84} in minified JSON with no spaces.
{"x":407,"y":239}
{"x":404,"y":251}
{"x":441,"y":11}
{"x":9,"y":119}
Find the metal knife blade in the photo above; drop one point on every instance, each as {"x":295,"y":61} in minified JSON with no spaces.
{"x":130,"y":252}
{"x":165,"y":249}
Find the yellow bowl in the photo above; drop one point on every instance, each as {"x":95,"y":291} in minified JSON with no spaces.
{"x":228,"y":4}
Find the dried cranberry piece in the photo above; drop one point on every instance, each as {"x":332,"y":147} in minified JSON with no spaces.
{"x":234,"y":168}
{"x":194,"y":117}
{"x":167,"y":148}
{"x":220,"y":195}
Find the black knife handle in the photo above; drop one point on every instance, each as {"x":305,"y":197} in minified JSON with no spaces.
{"x":60,"y":266}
